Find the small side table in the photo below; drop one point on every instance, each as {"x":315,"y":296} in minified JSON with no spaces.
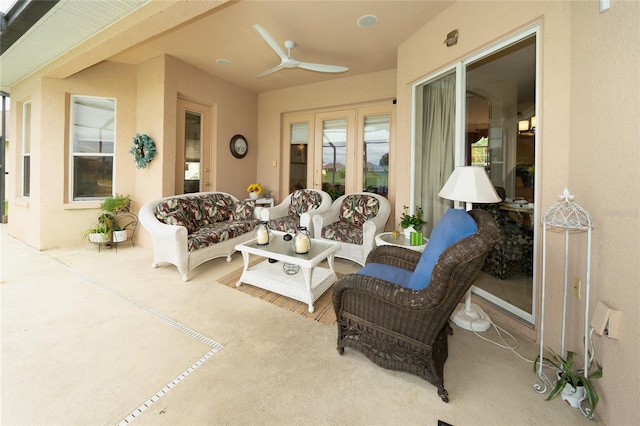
{"x":267,"y":202}
{"x":387,"y":239}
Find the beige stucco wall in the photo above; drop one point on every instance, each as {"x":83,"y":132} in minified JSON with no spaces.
{"x":587,"y":140}
{"x":603,"y":170}
{"x":47,"y":219}
{"x":146,"y":103}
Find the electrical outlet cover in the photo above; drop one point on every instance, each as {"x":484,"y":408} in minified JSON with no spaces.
{"x":600,"y":318}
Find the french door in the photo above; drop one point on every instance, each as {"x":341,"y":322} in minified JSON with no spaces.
{"x":341,"y":151}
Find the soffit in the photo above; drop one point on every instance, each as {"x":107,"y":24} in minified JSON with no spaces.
{"x":65,"y":26}
{"x":324,"y":32}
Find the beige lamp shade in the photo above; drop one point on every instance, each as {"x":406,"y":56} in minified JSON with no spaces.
{"x":469,"y":184}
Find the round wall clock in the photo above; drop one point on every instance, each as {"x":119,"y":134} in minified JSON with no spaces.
{"x":239,"y":146}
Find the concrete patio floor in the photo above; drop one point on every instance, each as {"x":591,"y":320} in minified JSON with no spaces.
{"x":91,"y":338}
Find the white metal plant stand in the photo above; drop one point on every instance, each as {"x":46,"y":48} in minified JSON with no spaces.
{"x":568,"y":217}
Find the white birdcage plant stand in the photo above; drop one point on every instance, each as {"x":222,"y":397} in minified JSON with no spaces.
{"x":569,"y":218}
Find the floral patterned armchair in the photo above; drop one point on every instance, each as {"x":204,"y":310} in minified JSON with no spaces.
{"x":297,"y":209}
{"x":353,"y":221}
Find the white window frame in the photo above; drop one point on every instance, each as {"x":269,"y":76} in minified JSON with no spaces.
{"x":73,"y":154}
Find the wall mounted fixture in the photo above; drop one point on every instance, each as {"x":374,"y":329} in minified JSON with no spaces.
{"x":527,"y":127}
{"x":452,"y":38}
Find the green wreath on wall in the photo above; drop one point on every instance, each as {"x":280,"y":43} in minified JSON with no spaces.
{"x":143,"y":149}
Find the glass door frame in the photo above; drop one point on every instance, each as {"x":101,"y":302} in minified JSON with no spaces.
{"x":184,"y":106}
{"x":460,"y":147}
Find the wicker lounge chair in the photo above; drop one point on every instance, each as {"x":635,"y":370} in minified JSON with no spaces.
{"x":400,"y":328}
{"x":353,"y":221}
{"x":297,"y":209}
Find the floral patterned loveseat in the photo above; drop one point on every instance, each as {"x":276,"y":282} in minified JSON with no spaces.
{"x":190,"y":229}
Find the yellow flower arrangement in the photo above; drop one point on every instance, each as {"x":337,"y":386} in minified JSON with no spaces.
{"x":254,"y":187}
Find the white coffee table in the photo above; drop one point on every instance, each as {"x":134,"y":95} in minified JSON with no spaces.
{"x":307,"y":285}
{"x":387,"y":239}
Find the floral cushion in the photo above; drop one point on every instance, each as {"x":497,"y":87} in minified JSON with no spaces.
{"x":181,"y":211}
{"x":215,"y":208}
{"x":303,"y":200}
{"x":285,"y":224}
{"x":344,"y":232}
{"x":357,"y":209}
{"x":209,"y":235}
{"x":243,"y":210}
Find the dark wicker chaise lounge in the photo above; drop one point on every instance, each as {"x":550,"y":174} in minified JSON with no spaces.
{"x":404,"y":329}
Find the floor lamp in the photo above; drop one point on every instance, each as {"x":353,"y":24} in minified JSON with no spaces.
{"x":470,"y":184}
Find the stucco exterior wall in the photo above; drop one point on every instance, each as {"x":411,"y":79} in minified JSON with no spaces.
{"x":604,"y":155}
{"x":581,"y":144}
{"x":47,"y":219}
{"x":146,"y":103}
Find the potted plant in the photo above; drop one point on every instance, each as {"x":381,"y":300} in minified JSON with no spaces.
{"x":573,"y":384}
{"x":412,"y":222}
{"x":120,"y":231}
{"x":254,"y":190}
{"x":98,"y":233}
{"x":117,"y":203}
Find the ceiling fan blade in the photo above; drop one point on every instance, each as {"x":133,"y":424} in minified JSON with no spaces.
{"x":270,"y":71}
{"x":270,"y":41}
{"x":322,"y":67}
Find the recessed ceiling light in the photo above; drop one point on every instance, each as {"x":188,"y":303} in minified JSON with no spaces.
{"x":223,"y":62}
{"x":367,"y":21}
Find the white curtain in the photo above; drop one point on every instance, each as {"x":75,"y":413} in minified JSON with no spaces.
{"x":438,"y":141}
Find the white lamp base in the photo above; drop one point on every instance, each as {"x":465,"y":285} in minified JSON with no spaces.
{"x":474,"y":319}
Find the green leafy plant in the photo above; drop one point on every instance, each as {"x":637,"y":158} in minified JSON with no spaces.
{"x":414,"y":220}
{"x":569,"y":374}
{"x":117,"y":203}
{"x":103,"y":229}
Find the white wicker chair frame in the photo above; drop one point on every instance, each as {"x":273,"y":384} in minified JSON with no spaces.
{"x":170,"y":241}
{"x":372,"y":227}
{"x":306,"y":219}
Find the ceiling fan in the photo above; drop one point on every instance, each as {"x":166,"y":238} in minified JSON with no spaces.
{"x":287,"y":61}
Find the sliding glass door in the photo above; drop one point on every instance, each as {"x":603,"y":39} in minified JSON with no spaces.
{"x":483,"y":112}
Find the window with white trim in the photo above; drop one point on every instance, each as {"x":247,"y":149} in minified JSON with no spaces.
{"x":92,"y":141}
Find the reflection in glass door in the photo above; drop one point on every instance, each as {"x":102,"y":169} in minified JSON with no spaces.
{"x":334,"y":156}
{"x":501,"y":92}
{"x":489,"y":122}
{"x":376,"y":138}
{"x":192,"y":148}
{"x":298,"y":151}
{"x":192,"y":151}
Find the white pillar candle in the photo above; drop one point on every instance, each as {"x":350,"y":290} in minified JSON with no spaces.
{"x":263,"y":236}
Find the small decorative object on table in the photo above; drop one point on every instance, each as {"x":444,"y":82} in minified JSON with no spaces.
{"x":268,"y":194}
{"x":143,"y":149}
{"x":254,"y":190}
{"x":412,"y":222}
{"x":263,"y":233}
{"x":302,"y":240}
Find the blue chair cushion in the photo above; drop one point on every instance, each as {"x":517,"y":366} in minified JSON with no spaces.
{"x":452,"y":227}
{"x":388,"y":273}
